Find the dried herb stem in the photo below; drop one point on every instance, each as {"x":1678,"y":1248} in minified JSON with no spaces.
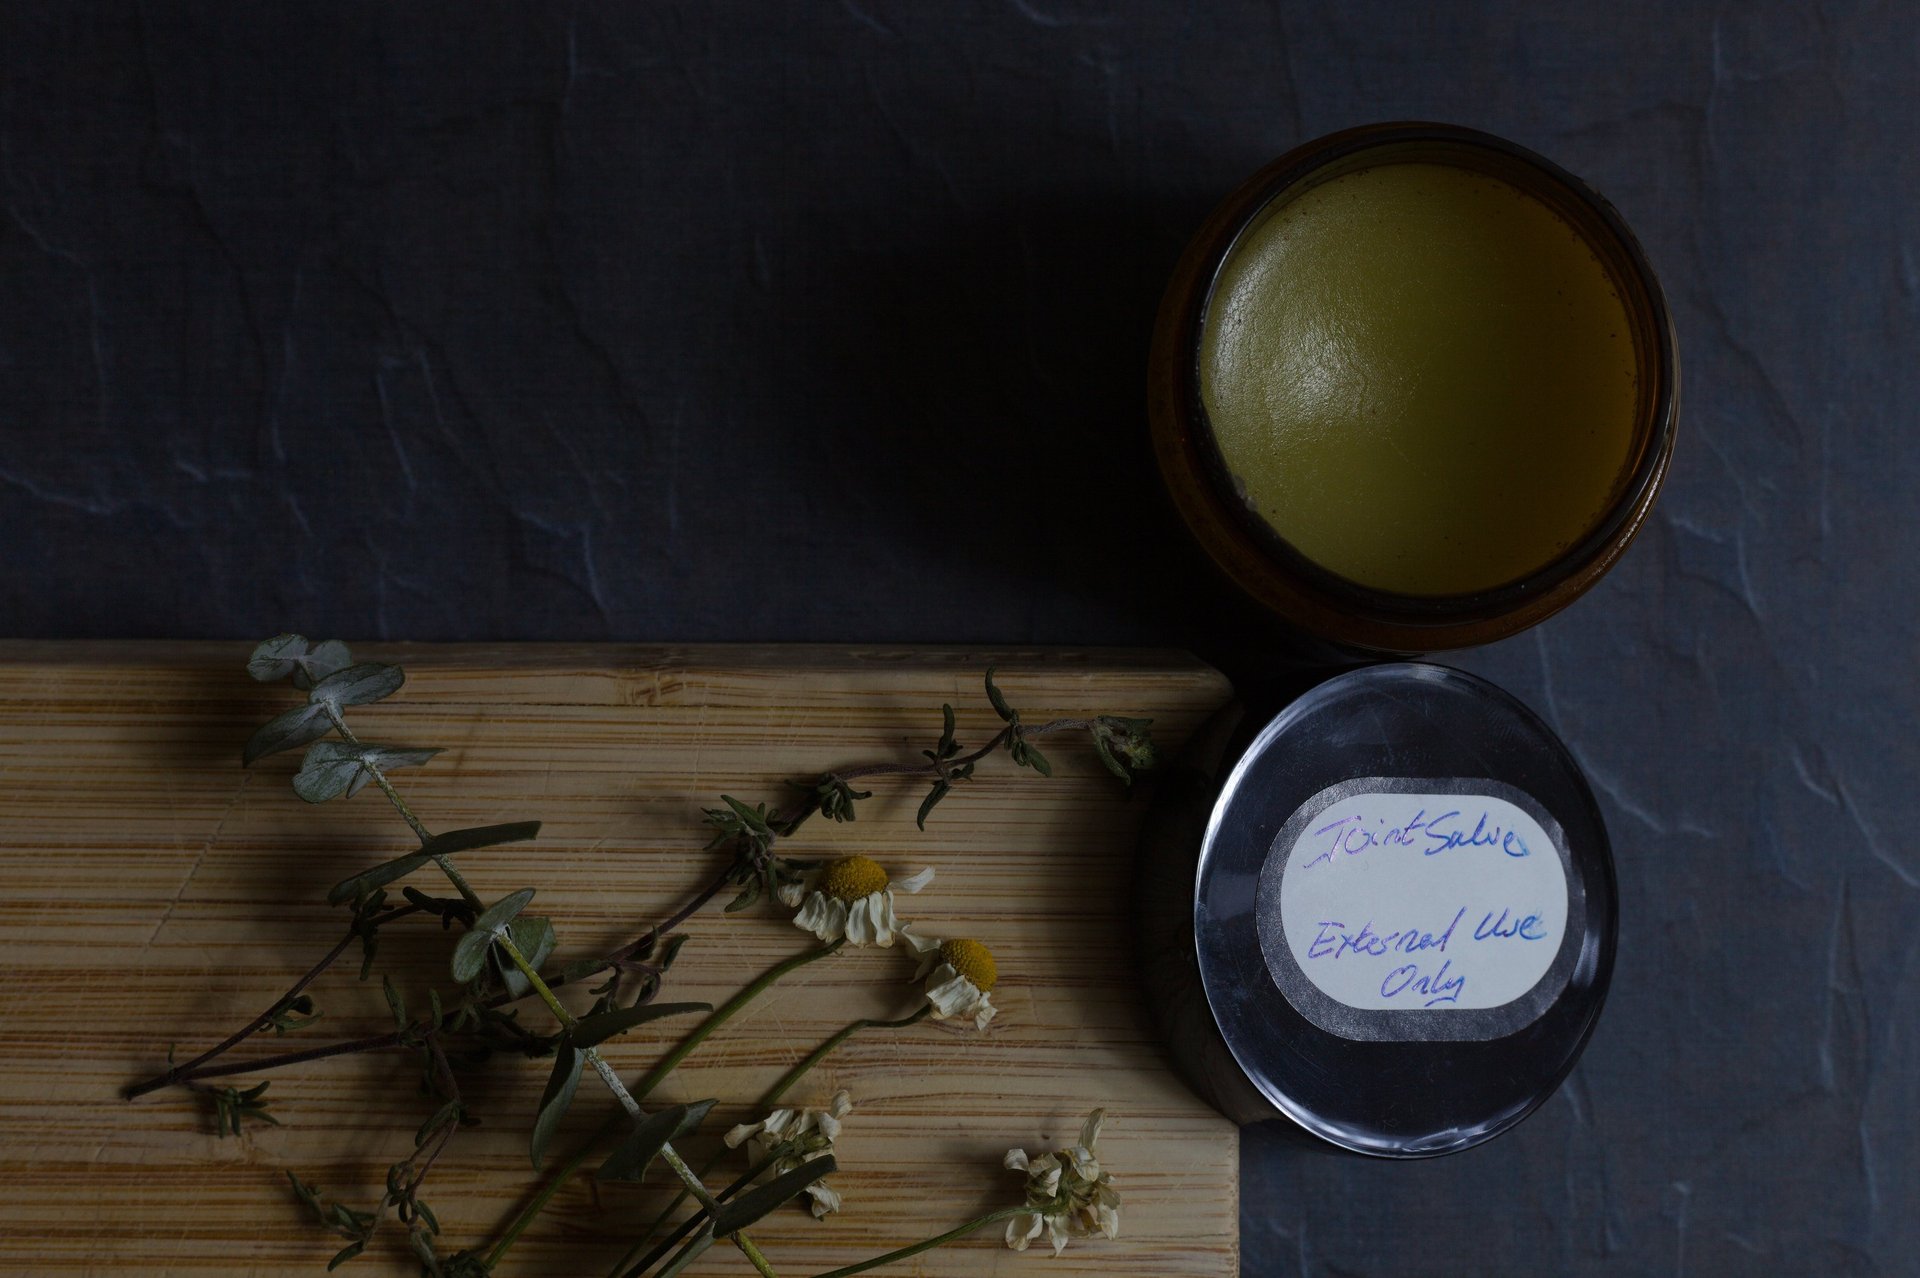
{"x":821,"y":1052}
{"x":628,"y":1267}
{"x":653,"y":1078}
{"x":181,"y":1073}
{"x":393,"y":796}
{"x":944,"y":766}
{"x":938,"y":1240}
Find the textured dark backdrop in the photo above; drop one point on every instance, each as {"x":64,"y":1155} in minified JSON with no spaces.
{"x":827,"y":322}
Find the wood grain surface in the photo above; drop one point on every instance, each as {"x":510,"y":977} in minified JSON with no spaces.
{"x":154,"y":892}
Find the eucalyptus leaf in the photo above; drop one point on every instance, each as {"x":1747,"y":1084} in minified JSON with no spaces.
{"x":479,"y":836}
{"x":534,"y":935}
{"x":749,"y":1207}
{"x":320,"y":661}
{"x":594,"y":1030}
{"x":562,"y":1083}
{"x":328,"y":771}
{"x":287,"y":732}
{"x":379,"y":876}
{"x":503,"y":911}
{"x":649,"y":1137}
{"x":386,"y":758}
{"x":276,"y":658}
{"x":358,"y":685}
{"x":470,"y":955}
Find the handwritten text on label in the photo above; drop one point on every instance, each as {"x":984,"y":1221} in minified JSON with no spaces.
{"x":1423,"y":901}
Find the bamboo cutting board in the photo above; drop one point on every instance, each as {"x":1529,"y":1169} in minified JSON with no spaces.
{"x":153,"y":891}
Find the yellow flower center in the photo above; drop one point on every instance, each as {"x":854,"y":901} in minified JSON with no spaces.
{"x":973,"y":961}
{"x":852,"y":877}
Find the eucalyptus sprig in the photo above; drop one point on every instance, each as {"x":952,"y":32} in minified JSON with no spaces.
{"x":502,"y":953}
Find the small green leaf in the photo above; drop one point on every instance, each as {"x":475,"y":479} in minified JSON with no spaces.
{"x":447,"y":1115}
{"x":503,"y":911}
{"x":754,"y":819}
{"x":291,"y":654}
{"x":1032,"y":758}
{"x":379,"y":876}
{"x":327,"y":770}
{"x":345,"y":1254}
{"x":1105,"y":754}
{"x":470,"y":955}
{"x":1000,"y":706}
{"x":321,"y":660}
{"x":276,"y":658}
{"x":452,"y":841}
{"x":292,"y":1014}
{"x":534,"y":935}
{"x":386,"y":759}
{"x":562,"y":1083}
{"x":479,"y":836}
{"x":649,"y":1137}
{"x":937,"y":793}
{"x":748,"y":895}
{"x":395,"y":1003}
{"x":749,"y":1207}
{"x":287,"y":732}
{"x":307,"y":1194}
{"x":594,"y":1030}
{"x":358,"y":685}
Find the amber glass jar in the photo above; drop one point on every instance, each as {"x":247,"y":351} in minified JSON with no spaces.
{"x":1395,"y":614}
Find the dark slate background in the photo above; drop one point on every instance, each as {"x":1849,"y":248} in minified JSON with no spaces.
{"x":828,"y":322}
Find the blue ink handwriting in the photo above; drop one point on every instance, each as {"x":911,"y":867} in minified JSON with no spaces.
{"x":1435,"y":989}
{"x":1330,"y":941}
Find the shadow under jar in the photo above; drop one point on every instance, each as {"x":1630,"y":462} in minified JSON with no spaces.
{"x":1414,"y":387}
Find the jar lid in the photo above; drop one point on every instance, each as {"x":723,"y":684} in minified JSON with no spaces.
{"x":1404,"y":911}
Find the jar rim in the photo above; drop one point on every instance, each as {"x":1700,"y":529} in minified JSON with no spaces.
{"x":1309,"y":594}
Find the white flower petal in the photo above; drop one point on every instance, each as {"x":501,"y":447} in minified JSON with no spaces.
{"x":823,"y":916}
{"x":914,"y":882}
{"x":1109,"y":1218}
{"x":825,"y":1199}
{"x":791,"y":894}
{"x":744,"y":1132}
{"x":1022,"y":1230}
{"x":841,"y":1104}
{"x":1090,"y":1131}
{"x":829,"y":1125}
{"x":1057,"y":1233}
{"x":1016,"y":1160}
{"x":1084,"y":1164}
{"x":860,"y":922}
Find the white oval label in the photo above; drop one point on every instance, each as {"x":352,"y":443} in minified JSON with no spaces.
{"x":1422,"y":899}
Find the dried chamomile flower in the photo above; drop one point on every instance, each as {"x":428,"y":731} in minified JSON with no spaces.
{"x":795,"y":1136}
{"x":959,"y":975}
{"x":851,"y":899}
{"x":1067,"y":1193}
